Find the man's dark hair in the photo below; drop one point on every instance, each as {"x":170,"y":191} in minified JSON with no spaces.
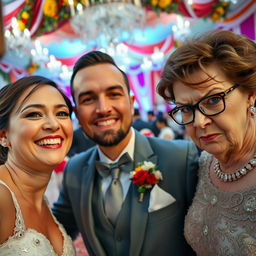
{"x":93,"y":58}
{"x":162,"y":119}
{"x":136,"y":112}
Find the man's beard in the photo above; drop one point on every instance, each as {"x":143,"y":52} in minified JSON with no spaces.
{"x":110,"y":137}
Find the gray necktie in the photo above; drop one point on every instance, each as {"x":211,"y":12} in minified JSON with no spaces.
{"x":114,"y":193}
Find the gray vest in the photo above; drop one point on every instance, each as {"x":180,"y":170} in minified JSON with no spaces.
{"x":114,"y":240}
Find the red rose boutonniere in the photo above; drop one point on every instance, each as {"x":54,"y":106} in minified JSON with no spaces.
{"x":145,"y":176}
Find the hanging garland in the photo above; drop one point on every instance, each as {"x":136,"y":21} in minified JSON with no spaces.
{"x":168,"y":6}
{"x":214,"y":10}
{"x":219,"y":11}
{"x":55,"y":13}
{"x":24,"y":17}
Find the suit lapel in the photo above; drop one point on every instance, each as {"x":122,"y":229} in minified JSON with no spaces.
{"x":87,"y":185}
{"x":139,"y":211}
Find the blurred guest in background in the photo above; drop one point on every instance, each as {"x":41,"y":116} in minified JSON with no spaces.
{"x":212,"y":82}
{"x":138,"y":123}
{"x":165,"y":131}
{"x":147,"y":132}
{"x":154,"y":127}
{"x":151,"y":116}
{"x":81,"y":142}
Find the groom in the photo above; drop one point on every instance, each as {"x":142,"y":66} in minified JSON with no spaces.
{"x":104,"y":108}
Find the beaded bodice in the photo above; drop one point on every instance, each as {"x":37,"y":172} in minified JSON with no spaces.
{"x":221,"y":223}
{"x":30,"y":242}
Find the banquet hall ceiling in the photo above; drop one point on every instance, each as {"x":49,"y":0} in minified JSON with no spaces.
{"x":67,"y":46}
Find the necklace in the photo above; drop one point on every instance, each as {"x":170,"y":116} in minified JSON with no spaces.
{"x":226,"y":177}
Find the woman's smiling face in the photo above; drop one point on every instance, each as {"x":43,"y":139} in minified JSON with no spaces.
{"x":40,"y":129}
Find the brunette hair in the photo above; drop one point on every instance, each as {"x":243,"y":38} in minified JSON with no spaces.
{"x":93,"y":58}
{"x":233,"y":54}
{"x":10,"y":94}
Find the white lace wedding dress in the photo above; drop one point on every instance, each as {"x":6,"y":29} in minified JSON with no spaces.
{"x":29,"y":242}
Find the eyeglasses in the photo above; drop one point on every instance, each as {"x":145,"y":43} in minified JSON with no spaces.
{"x":209,"y":106}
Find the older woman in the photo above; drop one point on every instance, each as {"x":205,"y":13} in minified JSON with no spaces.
{"x":35,"y":135}
{"x":211,"y":80}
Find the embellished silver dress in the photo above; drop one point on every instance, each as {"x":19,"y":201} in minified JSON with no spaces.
{"x":221,"y":223}
{"x":29,"y":242}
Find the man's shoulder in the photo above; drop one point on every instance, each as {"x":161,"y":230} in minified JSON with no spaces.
{"x":162,"y":144}
{"x":175,"y":144}
{"x":82,"y":156}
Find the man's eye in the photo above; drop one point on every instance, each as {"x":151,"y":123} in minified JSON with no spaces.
{"x":86,"y":100}
{"x":115,"y":94}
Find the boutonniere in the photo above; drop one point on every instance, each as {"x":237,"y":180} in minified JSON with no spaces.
{"x":145,"y":175}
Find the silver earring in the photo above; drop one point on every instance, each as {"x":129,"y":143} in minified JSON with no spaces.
{"x":252,"y":110}
{"x":4,"y":142}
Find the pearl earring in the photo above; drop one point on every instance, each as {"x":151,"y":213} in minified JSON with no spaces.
{"x":252,"y":110}
{"x":4,"y":142}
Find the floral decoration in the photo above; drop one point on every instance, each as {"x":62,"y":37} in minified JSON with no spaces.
{"x":24,"y":16}
{"x":145,"y":176}
{"x":219,"y":8}
{"x":33,"y":67}
{"x":168,"y":6}
{"x":55,"y":12}
{"x":219,"y":11}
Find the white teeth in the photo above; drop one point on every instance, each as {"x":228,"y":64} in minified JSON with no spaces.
{"x":49,"y":142}
{"x":108,"y":122}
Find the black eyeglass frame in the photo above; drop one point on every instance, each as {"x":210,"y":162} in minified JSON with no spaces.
{"x":196,"y":105}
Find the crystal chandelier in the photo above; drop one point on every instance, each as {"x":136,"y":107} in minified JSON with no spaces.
{"x":22,"y":45}
{"x":107,"y":24}
{"x":182,"y":28}
{"x":17,"y":40}
{"x":39,"y":54}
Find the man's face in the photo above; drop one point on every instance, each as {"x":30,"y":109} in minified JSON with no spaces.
{"x":103,"y":105}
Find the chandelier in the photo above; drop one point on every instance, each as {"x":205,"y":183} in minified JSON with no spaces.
{"x":107,"y":24}
{"x":182,"y":28}
{"x":17,"y":40}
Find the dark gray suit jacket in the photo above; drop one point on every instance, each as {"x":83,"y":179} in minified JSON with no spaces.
{"x":156,"y":233}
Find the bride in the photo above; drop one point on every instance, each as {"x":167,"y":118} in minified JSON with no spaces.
{"x":35,"y":135}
